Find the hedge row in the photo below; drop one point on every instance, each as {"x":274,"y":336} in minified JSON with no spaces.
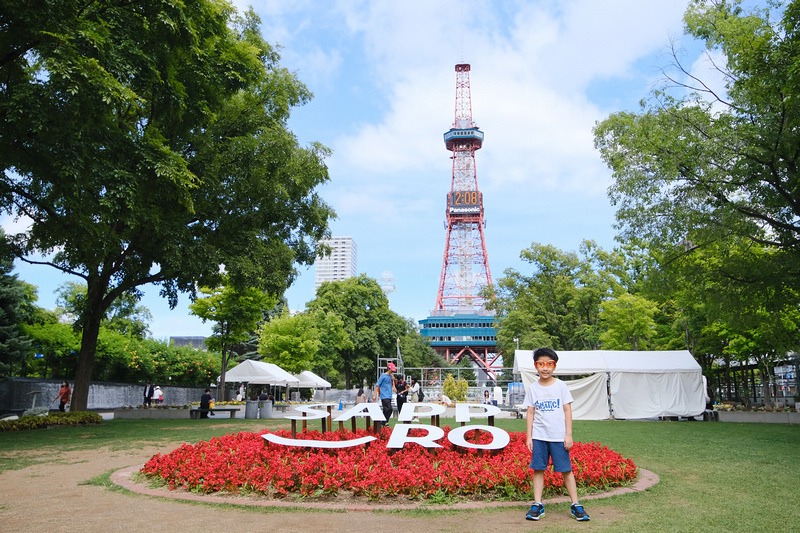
{"x":57,"y":419}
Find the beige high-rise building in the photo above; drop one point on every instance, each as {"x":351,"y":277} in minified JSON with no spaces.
{"x":340,"y":265}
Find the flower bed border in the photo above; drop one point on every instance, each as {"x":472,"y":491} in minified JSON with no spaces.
{"x":124,"y":478}
{"x":239,"y":463}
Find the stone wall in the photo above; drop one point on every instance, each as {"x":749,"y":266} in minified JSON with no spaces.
{"x":18,"y":394}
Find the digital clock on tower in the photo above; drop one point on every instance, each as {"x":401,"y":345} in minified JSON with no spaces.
{"x":466,"y":202}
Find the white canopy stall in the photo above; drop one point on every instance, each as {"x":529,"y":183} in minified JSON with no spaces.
{"x":634,"y":384}
{"x":309,"y":380}
{"x":261,"y":373}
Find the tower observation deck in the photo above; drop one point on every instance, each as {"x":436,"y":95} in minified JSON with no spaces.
{"x":460,"y":324}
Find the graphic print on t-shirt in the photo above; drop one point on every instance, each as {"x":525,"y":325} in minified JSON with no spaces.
{"x":548,"y":406}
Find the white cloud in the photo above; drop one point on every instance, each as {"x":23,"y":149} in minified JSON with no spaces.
{"x":528,"y":85}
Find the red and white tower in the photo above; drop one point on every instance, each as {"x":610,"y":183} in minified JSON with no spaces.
{"x":465,"y":269}
{"x":460,"y":325}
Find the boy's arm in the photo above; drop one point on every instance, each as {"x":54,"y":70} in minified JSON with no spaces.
{"x":568,"y":422}
{"x":529,"y":427}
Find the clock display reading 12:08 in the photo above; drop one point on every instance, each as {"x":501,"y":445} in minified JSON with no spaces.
{"x":465,"y":202}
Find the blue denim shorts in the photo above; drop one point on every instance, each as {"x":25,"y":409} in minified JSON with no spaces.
{"x":544,"y":450}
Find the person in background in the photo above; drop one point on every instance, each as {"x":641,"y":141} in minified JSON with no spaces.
{"x":148,"y":394}
{"x":445,"y":400}
{"x":361,"y":397}
{"x":486,"y":399}
{"x":402,"y":393}
{"x":413,"y":391}
{"x":384,"y":388}
{"x":263,"y":396}
{"x":64,"y":394}
{"x":158,"y":396}
{"x":239,"y":396}
{"x":205,"y":403}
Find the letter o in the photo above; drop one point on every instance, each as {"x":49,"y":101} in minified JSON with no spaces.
{"x":500,"y":438}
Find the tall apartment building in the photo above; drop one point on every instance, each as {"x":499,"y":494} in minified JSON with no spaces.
{"x":341,"y":264}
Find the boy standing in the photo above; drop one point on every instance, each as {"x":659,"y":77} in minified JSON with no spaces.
{"x":549,"y":432}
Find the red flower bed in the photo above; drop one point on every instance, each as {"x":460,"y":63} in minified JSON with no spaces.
{"x":246,"y":462}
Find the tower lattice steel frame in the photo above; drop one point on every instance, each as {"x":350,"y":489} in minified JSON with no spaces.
{"x":465,"y":269}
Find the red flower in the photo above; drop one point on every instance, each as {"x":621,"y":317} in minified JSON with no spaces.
{"x":247,"y":462}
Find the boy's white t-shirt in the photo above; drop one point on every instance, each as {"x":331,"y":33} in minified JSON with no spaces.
{"x":549,"y":423}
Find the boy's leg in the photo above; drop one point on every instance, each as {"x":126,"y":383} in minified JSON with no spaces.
{"x":577,"y":510}
{"x":538,"y":485}
{"x":572,"y":488}
{"x":537,"y":509}
{"x":539,"y":459}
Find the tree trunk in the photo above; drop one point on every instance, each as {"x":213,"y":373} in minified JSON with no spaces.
{"x":91,"y":329}
{"x":223,"y":370}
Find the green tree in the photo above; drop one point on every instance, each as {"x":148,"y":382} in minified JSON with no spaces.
{"x":695,"y":166}
{"x":58,"y":345}
{"x":291,"y":342}
{"x":372,"y":328}
{"x":627,"y":322}
{"x":235,"y":313}
{"x":123,"y":315}
{"x":248,"y":349}
{"x":558,"y":304}
{"x":737,"y":323}
{"x":147,"y":142}
{"x":416,"y":350}
{"x":333,"y":340}
{"x":467,"y":373}
{"x":15,"y":346}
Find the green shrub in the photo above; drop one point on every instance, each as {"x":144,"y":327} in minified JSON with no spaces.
{"x":57,"y":419}
{"x":455,"y":390}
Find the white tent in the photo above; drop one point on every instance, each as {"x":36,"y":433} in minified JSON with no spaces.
{"x":634,"y":384}
{"x":261,"y":373}
{"x":309,"y":380}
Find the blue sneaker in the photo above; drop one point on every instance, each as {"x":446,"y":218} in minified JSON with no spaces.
{"x":536,"y":511}
{"x":578,"y":512}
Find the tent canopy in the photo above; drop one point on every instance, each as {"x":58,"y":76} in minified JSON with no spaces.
{"x":590,"y":362}
{"x":261,"y":373}
{"x":309,"y":380}
{"x":632,"y":384}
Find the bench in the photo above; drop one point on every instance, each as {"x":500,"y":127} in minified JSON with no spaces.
{"x":195,"y":413}
{"x":518,"y":411}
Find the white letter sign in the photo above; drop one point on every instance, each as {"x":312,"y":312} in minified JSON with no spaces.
{"x":400,"y":436}
{"x":372,"y":410}
{"x":500,"y":438}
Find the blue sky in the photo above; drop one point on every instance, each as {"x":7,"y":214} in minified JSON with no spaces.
{"x":382,"y":74}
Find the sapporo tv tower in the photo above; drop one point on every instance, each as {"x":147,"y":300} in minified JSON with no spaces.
{"x":460,"y":324}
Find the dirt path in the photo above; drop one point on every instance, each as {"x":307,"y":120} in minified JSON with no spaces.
{"x":51,"y":496}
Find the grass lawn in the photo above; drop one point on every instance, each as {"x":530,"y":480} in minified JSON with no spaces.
{"x":714,"y":476}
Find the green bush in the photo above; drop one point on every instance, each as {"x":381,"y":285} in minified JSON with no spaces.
{"x":57,"y":419}
{"x":455,"y":390}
